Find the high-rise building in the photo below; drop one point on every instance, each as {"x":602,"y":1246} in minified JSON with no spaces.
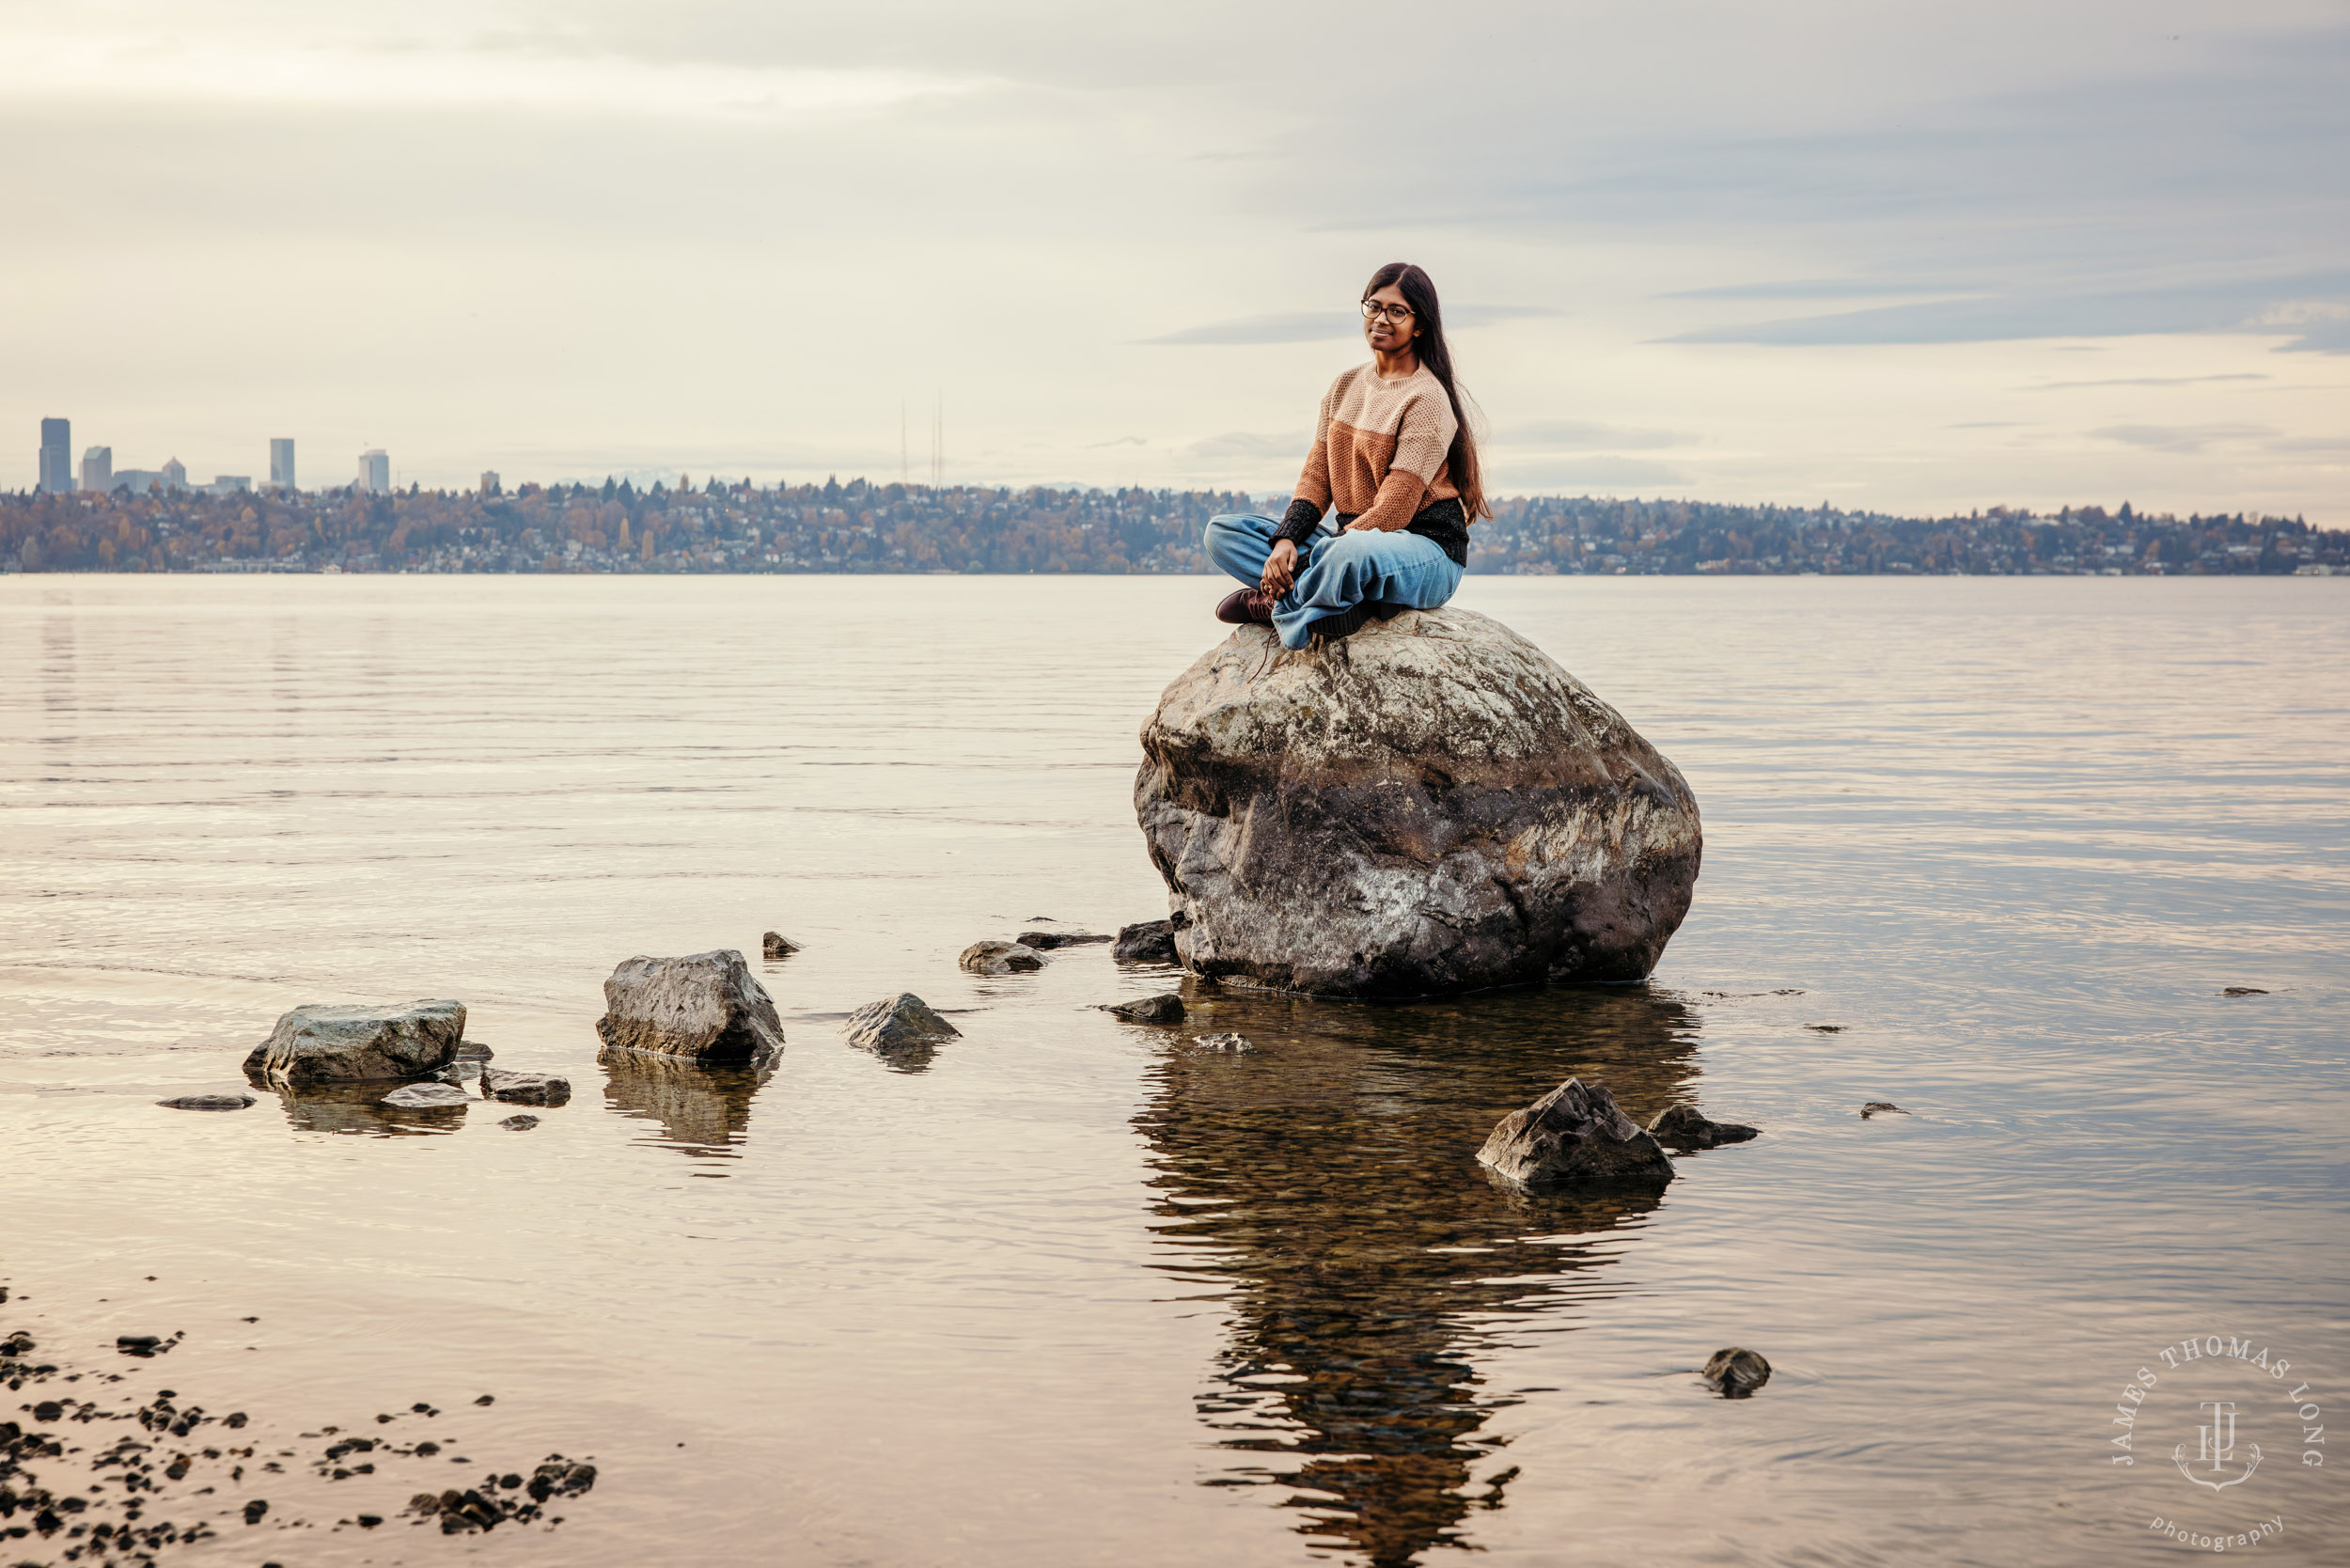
{"x":489,"y":481}
{"x":97,"y":469}
{"x":281,"y":463}
{"x":174,"y":474}
{"x":56,"y":456}
{"x":375,"y":471}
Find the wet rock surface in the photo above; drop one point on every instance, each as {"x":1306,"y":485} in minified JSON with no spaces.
{"x":1435,"y":806}
{"x":432,"y":1096}
{"x":329,"y":1043}
{"x":524,"y":1089}
{"x":1736,"y":1373}
{"x":897,"y":1023}
{"x":1228,"y":1044}
{"x":706,"y":1007}
{"x":1686,"y":1127}
{"x":1575,"y":1133}
{"x":1042,"y":940}
{"x":208,"y":1102}
{"x":1881,"y":1108}
{"x":999,"y":958}
{"x":177,"y":1474}
{"x":1166,"y":1008}
{"x":1147,"y":942}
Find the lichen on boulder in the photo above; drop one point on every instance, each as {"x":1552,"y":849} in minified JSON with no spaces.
{"x":1430,"y":807}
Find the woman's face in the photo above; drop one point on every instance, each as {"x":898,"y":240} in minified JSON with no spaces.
{"x":1390,"y":328}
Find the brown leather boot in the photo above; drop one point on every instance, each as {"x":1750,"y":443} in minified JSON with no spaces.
{"x":1247,"y":607}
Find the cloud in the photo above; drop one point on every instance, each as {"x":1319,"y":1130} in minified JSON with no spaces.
{"x":1820,"y":288}
{"x":2143,"y":381}
{"x":1246,"y":446}
{"x":1120,"y":441}
{"x":1580,"y":474}
{"x":1583,"y":436}
{"x":2181,"y":439}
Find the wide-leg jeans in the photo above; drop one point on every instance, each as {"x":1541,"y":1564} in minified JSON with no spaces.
{"x":1335,"y":571}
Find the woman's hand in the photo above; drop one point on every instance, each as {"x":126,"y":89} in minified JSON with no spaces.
{"x":1280,"y":567}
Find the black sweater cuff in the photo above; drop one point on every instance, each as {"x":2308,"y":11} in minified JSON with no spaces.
{"x":1299,"y":523}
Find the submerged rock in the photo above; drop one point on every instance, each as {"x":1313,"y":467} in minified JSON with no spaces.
{"x":2243,"y":991}
{"x":328,"y":1042}
{"x":1736,"y":1371}
{"x":776,"y":945}
{"x":208,"y":1102}
{"x":519,"y":1124}
{"x":1227,"y":1045}
{"x":430,"y":1096}
{"x":1575,"y":1133}
{"x":706,"y":1007}
{"x":1686,"y":1127}
{"x":1435,"y":806}
{"x":1147,"y":942}
{"x":1881,"y":1108}
{"x":1166,"y":1008}
{"x":897,"y":1023}
{"x":1000,"y":958}
{"x":524,"y":1089}
{"x":1041,"y":940}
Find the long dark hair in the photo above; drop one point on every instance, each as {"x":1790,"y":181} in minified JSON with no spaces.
{"x":1420,"y":293}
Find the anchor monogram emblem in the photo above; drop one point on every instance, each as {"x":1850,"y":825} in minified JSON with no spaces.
{"x":2215,"y":1446}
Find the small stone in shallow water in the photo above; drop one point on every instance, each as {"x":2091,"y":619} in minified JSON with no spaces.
{"x":1041,"y":940}
{"x":430,"y":1096}
{"x":1686,"y":1127}
{"x":519,"y":1124}
{"x":1231,"y":1044}
{"x":1736,"y":1371}
{"x":208,"y":1102}
{"x":1575,"y":1133}
{"x":2243,"y":991}
{"x":897,"y":1021}
{"x":776,"y":945}
{"x":999,"y":958}
{"x":525,"y":1088}
{"x":1881,"y":1108}
{"x":1825,"y":1028}
{"x":1146,"y":942}
{"x":1164,"y":1007}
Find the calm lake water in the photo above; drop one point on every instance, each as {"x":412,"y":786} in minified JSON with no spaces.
{"x":1067,"y":1293}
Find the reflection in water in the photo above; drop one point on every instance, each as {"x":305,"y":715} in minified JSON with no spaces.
{"x":704,"y":1111}
{"x":355,"y":1107}
{"x":1329,"y":1184}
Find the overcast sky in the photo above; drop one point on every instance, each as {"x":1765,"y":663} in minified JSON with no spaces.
{"x":1892,"y":256}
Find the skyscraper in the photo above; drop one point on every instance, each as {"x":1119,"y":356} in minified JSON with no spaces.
{"x":97,"y":469}
{"x":375,"y":471}
{"x":56,"y":456}
{"x":281,"y":463}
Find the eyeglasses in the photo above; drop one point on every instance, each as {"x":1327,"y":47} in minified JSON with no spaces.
{"x":1399,"y":313}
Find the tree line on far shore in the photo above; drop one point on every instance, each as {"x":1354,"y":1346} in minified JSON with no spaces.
{"x":861,"y":526}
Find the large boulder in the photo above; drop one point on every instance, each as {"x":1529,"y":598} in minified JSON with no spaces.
{"x":706,"y":1007}
{"x":344,"y":1042}
{"x":1575,"y":1133}
{"x":1430,"y":805}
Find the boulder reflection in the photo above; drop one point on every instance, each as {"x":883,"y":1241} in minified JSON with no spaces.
{"x":354,"y":1108}
{"x":1329,"y":1184}
{"x":702,"y":1111}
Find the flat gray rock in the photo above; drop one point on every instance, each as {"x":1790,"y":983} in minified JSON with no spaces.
{"x":1164,"y":1007}
{"x":706,"y":1007}
{"x":897,"y":1023}
{"x":208,"y":1102}
{"x":524,"y":1089}
{"x":429,"y":1096}
{"x":332,"y":1043}
{"x":1041,"y":940}
{"x":1430,"y":807}
{"x":1575,"y":1133}
{"x":1000,"y":958}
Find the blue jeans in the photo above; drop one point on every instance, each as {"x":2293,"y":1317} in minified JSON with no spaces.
{"x":1335,"y":571}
